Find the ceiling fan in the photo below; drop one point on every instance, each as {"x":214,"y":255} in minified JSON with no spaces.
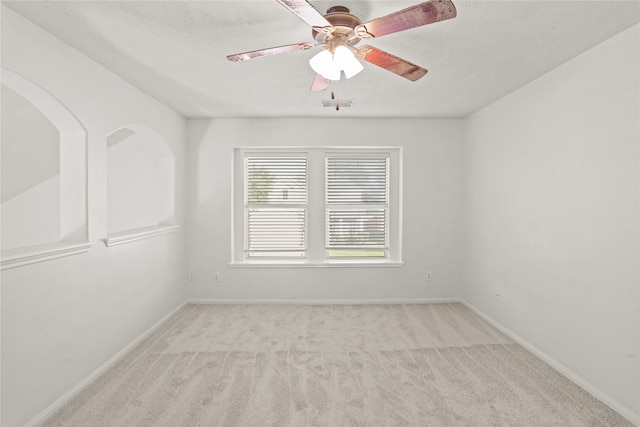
{"x":339,"y":32}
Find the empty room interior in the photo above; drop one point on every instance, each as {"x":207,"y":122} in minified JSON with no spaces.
{"x":326,"y":213}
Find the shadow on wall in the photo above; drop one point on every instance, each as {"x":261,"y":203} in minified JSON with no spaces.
{"x":140,"y":180}
{"x":44,"y":170}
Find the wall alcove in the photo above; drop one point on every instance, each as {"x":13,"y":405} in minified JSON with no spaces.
{"x":140,"y":185}
{"x":44,"y":176}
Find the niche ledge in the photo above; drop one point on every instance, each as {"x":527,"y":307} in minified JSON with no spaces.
{"x":18,"y":257}
{"x":128,"y":236}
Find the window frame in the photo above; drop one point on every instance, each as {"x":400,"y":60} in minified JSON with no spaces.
{"x":296,"y":206}
{"x":339,"y":204}
{"x":317,"y":254}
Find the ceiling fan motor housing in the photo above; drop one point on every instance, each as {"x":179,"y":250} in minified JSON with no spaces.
{"x":343,"y":24}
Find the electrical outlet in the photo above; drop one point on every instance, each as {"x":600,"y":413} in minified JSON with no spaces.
{"x":428,"y":276}
{"x":498,"y":293}
{"x":190,"y":277}
{"x":216,"y":277}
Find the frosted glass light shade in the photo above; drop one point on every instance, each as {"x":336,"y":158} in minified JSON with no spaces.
{"x":323,"y":64}
{"x":329,"y":66}
{"x":347,"y":62}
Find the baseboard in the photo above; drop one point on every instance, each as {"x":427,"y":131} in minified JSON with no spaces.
{"x":371,"y":301}
{"x":59,"y":403}
{"x":597,"y":393}
{"x":593,"y":390}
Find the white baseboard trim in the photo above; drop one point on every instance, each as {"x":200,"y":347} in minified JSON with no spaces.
{"x":605,"y":398}
{"x":593,"y":390}
{"x":60,"y":402}
{"x":372,"y":301}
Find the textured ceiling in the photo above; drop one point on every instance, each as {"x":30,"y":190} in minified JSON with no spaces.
{"x":176,"y":52}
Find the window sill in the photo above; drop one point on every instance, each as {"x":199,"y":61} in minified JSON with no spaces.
{"x":134,"y":235}
{"x":18,"y":257}
{"x":317,"y":264}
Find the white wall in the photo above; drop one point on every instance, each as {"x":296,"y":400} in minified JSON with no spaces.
{"x":140,"y":181}
{"x":26,"y":133}
{"x":62,"y":319}
{"x":30,"y":189}
{"x":432,"y":179}
{"x":32,"y":217}
{"x":551,"y":194}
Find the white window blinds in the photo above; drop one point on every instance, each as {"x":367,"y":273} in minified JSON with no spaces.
{"x":357,"y":198}
{"x":309,"y":205}
{"x":275,"y":206}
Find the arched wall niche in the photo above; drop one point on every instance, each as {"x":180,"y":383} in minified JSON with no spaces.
{"x":140,"y":185}
{"x":44,"y":199}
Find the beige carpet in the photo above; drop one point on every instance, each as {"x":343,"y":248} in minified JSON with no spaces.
{"x":332,"y":365}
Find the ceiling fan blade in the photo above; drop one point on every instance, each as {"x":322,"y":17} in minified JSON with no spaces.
{"x":411,"y":17}
{"x":391,"y":63}
{"x":245,"y":56}
{"x":319,"y":83}
{"x":303,"y":10}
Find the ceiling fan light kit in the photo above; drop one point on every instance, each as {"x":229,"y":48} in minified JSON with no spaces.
{"x":330,"y":64}
{"x":339,"y":32}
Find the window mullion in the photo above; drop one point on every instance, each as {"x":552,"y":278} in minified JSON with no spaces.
{"x":316,"y":225}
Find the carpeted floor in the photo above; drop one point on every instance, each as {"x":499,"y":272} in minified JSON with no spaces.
{"x":331,"y":365}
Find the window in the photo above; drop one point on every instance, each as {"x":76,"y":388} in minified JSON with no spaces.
{"x":317,"y":206}
{"x":357,"y":197}
{"x":275,"y":206}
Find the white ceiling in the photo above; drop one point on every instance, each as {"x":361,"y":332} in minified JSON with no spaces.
{"x":176,"y":52}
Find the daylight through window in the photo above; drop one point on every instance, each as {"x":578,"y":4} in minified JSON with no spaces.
{"x":317,"y":205}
